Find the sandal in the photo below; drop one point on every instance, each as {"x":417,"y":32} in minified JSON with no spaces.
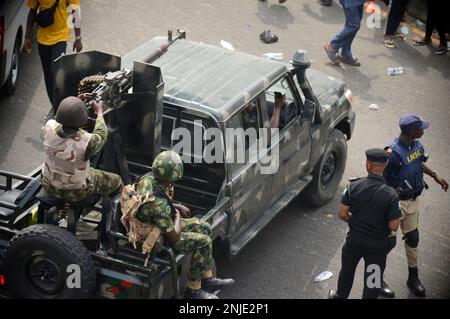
{"x":332,"y":54}
{"x":400,"y":36}
{"x":350,"y":61}
{"x":420,"y":42}
{"x":389,"y":43}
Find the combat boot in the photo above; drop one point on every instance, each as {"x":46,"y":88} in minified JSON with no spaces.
{"x":414,"y":283}
{"x":198,"y":294}
{"x":386,"y":291}
{"x":214,"y":283}
{"x":332,"y":294}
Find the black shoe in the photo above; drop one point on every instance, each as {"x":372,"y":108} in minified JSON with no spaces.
{"x":441,"y":50}
{"x":213,"y":284}
{"x":268,"y":37}
{"x":198,"y":294}
{"x":416,"y":287}
{"x":386,"y":291}
{"x":332,"y":294}
{"x":414,"y":283}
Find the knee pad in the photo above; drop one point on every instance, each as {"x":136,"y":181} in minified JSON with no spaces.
{"x":412,"y":238}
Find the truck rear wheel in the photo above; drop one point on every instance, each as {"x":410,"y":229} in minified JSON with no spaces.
{"x":329,"y":171}
{"x":45,"y":261}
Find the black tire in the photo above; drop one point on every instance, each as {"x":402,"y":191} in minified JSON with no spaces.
{"x":328,"y":172}
{"x":11,"y":82}
{"x":36,"y":264}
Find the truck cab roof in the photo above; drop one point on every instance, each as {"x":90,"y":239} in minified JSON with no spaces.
{"x":209,"y":78}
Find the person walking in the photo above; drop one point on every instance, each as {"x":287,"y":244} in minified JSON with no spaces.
{"x":52,"y":18}
{"x":353,"y":10}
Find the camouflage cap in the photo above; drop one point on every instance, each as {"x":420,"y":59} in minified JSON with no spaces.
{"x":72,"y":112}
{"x":168,"y":166}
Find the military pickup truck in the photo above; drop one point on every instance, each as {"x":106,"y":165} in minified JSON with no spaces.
{"x":196,"y":87}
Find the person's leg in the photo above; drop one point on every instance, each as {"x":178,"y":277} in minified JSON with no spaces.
{"x":45,"y":54}
{"x":58,"y":50}
{"x":104,"y":183}
{"x":354,"y":24}
{"x":441,"y":20}
{"x":409,"y":225}
{"x":351,"y":255}
{"x":396,"y":10}
{"x":374,"y":265}
{"x":349,"y":28}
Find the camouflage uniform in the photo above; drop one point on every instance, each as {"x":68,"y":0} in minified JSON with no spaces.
{"x":195,"y":234}
{"x":98,"y":182}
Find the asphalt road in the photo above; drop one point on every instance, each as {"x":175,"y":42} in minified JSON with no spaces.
{"x":300,"y":242}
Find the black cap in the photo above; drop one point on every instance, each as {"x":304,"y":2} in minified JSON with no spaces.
{"x":377,"y":155}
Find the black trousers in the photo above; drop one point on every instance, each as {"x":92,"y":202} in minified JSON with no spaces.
{"x":396,"y":10}
{"x":436,"y":18}
{"x":374,"y":252}
{"x":48,"y":54}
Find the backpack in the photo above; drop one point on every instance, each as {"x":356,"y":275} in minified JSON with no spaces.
{"x":130,"y":202}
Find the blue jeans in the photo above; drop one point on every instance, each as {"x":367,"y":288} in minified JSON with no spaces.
{"x":343,"y":40}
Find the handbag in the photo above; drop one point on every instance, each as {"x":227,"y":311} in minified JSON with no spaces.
{"x":46,"y":18}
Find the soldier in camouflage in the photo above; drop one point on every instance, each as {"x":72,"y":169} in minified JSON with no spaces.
{"x":180,"y":231}
{"x":67,"y":174}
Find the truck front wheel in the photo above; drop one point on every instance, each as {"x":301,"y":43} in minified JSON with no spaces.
{"x":48,"y":262}
{"x":329,"y":171}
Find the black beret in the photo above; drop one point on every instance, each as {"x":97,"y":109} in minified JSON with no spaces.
{"x":377,"y":155}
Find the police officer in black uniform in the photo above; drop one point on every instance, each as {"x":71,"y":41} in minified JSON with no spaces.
{"x":371,"y":208}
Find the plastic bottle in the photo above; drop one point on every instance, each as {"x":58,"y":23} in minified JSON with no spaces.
{"x":273,"y":56}
{"x":395,"y":71}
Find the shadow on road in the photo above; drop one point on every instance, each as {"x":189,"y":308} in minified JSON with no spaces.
{"x":274,"y":15}
{"x":14,"y":108}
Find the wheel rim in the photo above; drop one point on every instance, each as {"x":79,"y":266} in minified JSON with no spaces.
{"x":45,"y":274}
{"x":329,"y":169}
{"x":14,"y":67}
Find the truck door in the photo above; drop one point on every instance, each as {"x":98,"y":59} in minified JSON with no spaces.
{"x":294,"y":140}
{"x":252,"y":188}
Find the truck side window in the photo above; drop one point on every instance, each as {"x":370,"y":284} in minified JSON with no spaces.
{"x":290,"y":109}
{"x":251,"y":120}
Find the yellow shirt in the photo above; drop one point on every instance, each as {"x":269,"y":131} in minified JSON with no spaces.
{"x":59,"y":31}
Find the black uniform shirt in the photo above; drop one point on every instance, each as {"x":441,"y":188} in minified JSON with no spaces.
{"x":373,"y":204}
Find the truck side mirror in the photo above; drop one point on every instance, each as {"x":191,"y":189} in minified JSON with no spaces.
{"x":309,"y":111}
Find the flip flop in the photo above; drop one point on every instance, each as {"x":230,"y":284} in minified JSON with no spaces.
{"x":332,"y":54}
{"x":400,"y":36}
{"x":350,"y":61}
{"x":418,"y":43}
{"x":389,"y":43}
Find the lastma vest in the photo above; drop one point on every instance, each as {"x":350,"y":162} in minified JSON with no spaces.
{"x":411,"y":168}
{"x":65,"y":165}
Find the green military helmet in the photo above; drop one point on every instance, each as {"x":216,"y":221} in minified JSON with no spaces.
{"x":168,"y":166}
{"x":72,"y":113}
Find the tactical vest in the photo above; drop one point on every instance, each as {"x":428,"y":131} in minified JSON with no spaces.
{"x":411,"y":169}
{"x":65,"y":165}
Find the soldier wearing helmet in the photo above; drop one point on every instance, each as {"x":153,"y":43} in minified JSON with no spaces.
{"x":183,"y":233}
{"x":67,"y":174}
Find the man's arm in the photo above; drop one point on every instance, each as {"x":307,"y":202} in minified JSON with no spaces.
{"x":185,"y":212}
{"x":30,"y":24}
{"x":279,"y":103}
{"x":100,"y":133}
{"x":428,"y":171}
{"x":344,"y":213}
{"x":174,"y":236}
